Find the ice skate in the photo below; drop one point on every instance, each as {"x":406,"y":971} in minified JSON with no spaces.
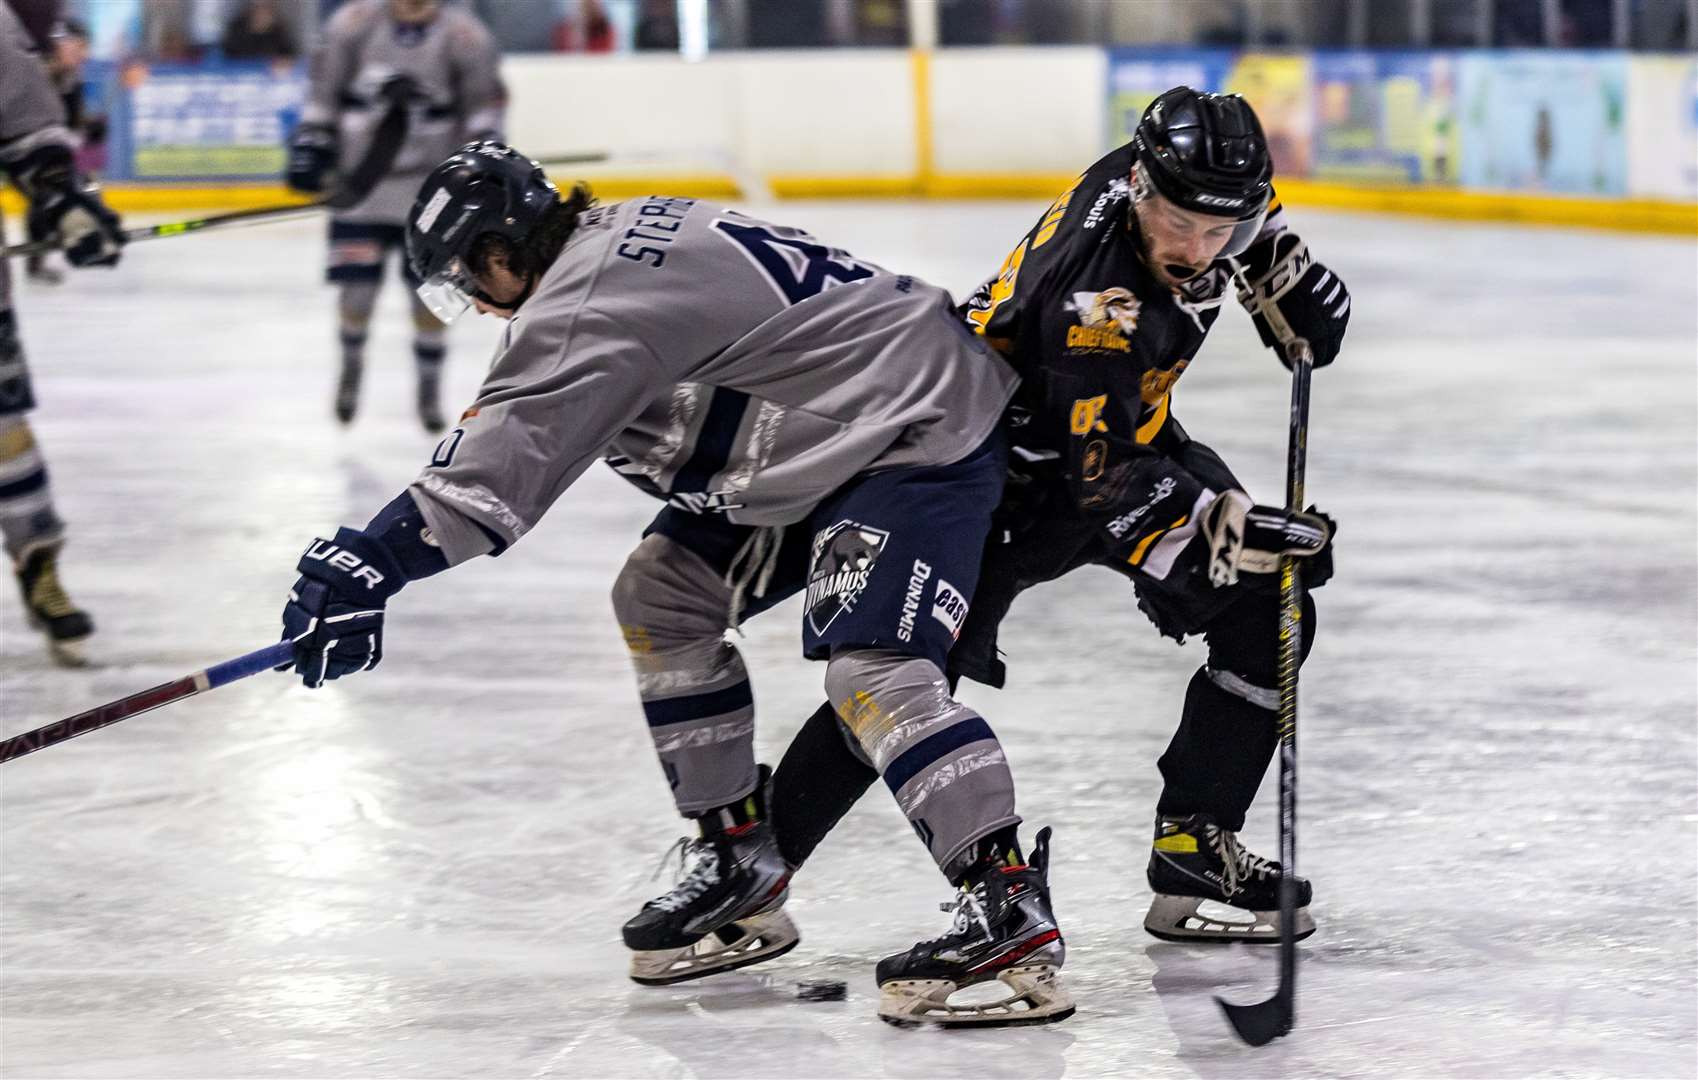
{"x":430,"y":404}
{"x":1193,"y":861}
{"x":66,"y":626}
{"x":726,"y":912}
{"x":1005,"y":931}
{"x":348,"y":390}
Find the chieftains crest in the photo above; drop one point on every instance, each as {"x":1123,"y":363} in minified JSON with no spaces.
{"x":1107,"y":319}
{"x":842,"y":563}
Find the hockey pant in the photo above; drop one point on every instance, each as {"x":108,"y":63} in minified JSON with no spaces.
{"x":878,"y":560}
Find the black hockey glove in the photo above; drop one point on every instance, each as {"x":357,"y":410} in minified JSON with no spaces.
{"x":312,"y":156}
{"x":1291,"y":296}
{"x":335,"y":611}
{"x":67,"y":207}
{"x":1244,"y":538}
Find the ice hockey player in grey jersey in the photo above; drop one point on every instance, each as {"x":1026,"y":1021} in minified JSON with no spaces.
{"x":439,"y":64}
{"x":815,"y":424}
{"x":35,"y":154}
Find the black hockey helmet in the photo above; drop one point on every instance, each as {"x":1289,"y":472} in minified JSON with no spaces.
{"x":484,"y":188}
{"x":1206,"y":153}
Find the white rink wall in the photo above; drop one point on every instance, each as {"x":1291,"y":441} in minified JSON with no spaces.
{"x":819,"y":113}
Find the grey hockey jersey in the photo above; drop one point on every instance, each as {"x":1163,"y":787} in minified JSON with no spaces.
{"x":453,"y":62}
{"x":725,"y":364}
{"x":31,"y":114}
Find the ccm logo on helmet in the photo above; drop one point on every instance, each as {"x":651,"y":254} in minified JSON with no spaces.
{"x":343,"y":559}
{"x":1216,"y":200}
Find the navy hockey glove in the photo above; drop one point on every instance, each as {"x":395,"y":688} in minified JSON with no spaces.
{"x":1291,"y":296}
{"x":1244,"y":538}
{"x":312,"y":156}
{"x":68,"y":207}
{"x":335,"y":611}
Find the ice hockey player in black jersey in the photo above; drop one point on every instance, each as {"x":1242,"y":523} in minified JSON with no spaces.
{"x":1100,"y":308}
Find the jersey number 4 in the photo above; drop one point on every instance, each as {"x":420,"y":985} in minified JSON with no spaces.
{"x":797,"y":265}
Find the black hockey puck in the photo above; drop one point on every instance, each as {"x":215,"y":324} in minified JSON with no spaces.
{"x":822,"y":990}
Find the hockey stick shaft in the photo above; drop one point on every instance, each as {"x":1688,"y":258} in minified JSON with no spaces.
{"x":1264,"y":1021}
{"x":147,"y":700}
{"x":386,"y":142}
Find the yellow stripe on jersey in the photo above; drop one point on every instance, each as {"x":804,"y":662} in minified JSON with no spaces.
{"x":1138,"y":553}
{"x":1003,"y":287}
{"x":1147,"y":430}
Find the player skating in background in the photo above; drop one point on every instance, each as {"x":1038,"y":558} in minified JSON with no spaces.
{"x":36,"y":154}
{"x":814,"y":423}
{"x":440,"y":65}
{"x":1100,"y":308}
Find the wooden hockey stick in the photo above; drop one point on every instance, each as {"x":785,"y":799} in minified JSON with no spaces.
{"x":164,"y":694}
{"x":386,"y":142}
{"x":1264,"y":1021}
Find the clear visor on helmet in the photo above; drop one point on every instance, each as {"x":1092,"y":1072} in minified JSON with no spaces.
{"x":1190,"y":235}
{"x":449,"y":291}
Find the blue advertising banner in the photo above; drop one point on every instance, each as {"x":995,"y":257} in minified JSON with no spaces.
{"x":1545,"y":121}
{"x":203,"y":122}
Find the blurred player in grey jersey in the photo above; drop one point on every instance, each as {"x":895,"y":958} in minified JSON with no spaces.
{"x":815,"y":424}
{"x":36,"y":155}
{"x":439,"y":64}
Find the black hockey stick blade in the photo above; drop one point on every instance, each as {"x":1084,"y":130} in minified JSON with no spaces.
{"x":380,"y":157}
{"x":1261,"y":1022}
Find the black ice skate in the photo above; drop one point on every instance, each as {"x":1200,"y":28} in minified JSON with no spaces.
{"x":67,"y":626}
{"x":1004,"y":930}
{"x":430,"y":404}
{"x":348,"y":390}
{"x":726,"y":912}
{"x":1194,"y":860}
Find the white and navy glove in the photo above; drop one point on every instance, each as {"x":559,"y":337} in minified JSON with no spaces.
{"x":1245,"y":538}
{"x":66,"y":207}
{"x":312,"y":157}
{"x":1291,"y":296}
{"x":335,"y":611}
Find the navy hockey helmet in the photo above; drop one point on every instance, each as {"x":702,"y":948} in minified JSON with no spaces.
{"x":484,"y":188}
{"x":1206,"y":153}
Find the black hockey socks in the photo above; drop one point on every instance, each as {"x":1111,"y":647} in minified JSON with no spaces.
{"x":1000,"y":850}
{"x":1217,"y":757}
{"x":817,"y":782}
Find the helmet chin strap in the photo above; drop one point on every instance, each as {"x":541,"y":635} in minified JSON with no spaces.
{"x":513,"y":305}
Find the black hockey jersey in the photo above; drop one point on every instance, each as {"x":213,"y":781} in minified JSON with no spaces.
{"x":1099,"y":342}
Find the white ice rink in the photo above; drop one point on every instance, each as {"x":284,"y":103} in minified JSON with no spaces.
{"x":422,"y":871}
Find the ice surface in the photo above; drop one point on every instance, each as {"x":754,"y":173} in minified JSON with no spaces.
{"x":422,"y":872}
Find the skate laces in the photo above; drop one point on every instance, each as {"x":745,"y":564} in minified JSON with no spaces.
{"x":47,"y":596}
{"x":1241,"y":864}
{"x":969,"y":910}
{"x":698,"y":871}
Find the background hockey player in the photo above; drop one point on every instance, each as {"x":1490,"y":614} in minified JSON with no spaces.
{"x":814,"y":423}
{"x":36,"y":155}
{"x":439,"y":64}
{"x":1100,"y":308}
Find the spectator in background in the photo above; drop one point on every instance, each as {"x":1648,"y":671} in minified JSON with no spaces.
{"x":657,"y":26}
{"x":258,"y":32}
{"x":591,"y":32}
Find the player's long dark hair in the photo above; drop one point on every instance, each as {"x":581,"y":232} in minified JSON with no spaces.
{"x":538,"y":250}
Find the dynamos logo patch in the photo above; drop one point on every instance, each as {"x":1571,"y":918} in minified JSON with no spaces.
{"x":842,"y":564}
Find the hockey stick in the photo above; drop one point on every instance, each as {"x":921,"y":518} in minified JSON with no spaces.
{"x":164,"y":694}
{"x":1264,"y":1021}
{"x":386,"y":143}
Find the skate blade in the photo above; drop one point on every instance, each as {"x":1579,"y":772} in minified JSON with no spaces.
{"x":766,"y":937}
{"x":70,"y":653}
{"x":1177,"y":918}
{"x":1036,"y":997}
